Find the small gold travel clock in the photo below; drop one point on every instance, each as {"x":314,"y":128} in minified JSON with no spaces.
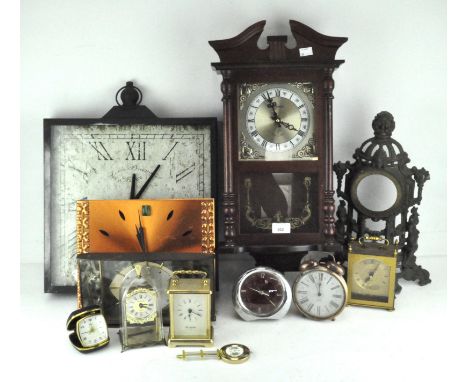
{"x":372,"y":272}
{"x":190,"y":309}
{"x":89,"y":329}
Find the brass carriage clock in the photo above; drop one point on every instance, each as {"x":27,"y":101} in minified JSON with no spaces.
{"x":190,"y":309}
{"x":372,"y":269}
{"x":278,"y":180}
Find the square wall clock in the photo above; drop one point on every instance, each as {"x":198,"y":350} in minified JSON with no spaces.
{"x":129,"y":153}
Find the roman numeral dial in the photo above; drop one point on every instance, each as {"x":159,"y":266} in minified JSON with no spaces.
{"x":319,"y":293}
{"x":278,"y":119}
{"x":115,"y":162}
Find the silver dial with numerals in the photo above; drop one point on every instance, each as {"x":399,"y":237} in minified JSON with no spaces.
{"x":276,"y":123}
{"x":97,"y":162}
{"x":319,"y":293}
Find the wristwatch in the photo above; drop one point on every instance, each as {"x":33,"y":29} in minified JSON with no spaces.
{"x":89,"y":329}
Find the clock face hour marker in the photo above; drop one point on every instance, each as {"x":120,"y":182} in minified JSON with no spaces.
{"x":102,"y":153}
{"x":136,"y":150}
{"x":170,"y":151}
{"x":184,"y":173}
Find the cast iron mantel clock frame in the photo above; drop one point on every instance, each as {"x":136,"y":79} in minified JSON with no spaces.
{"x":241,"y":61}
{"x":384,"y":156}
{"x":128,"y":112}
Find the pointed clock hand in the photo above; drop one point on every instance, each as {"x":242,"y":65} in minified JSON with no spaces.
{"x":132,"y":189}
{"x":143,"y":188}
{"x":287,"y":125}
{"x":140,"y":234}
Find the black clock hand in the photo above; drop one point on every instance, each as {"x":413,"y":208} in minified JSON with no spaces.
{"x":287,"y":125}
{"x":143,"y":188}
{"x":132,"y":189}
{"x":141,"y":234}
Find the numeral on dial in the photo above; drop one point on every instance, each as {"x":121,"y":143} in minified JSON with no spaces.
{"x":136,"y":150}
{"x":101,"y":150}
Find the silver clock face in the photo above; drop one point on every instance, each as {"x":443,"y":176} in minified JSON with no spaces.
{"x":97,"y":162}
{"x":319,"y":294}
{"x":276,"y":122}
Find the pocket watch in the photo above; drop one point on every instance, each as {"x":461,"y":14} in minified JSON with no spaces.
{"x":372,"y":272}
{"x":89,"y":329}
{"x":231,"y":353}
{"x":190,"y":309}
{"x":261,"y":293}
{"x":320,"y":291}
{"x":141,"y":316}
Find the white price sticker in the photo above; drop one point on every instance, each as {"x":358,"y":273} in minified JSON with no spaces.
{"x":306,"y":51}
{"x":281,"y":228}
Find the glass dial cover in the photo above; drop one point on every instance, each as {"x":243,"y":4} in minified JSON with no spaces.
{"x":319,"y":294}
{"x":92,"y":330}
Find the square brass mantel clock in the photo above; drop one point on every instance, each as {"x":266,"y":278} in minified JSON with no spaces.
{"x":278,"y":179}
{"x":130,"y":153}
{"x":372,"y":263}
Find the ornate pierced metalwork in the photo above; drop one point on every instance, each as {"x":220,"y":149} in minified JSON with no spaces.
{"x":246,"y":151}
{"x":307,"y":89}
{"x":245,"y":91}
{"x":82,"y":226}
{"x":308,"y":150}
{"x":266,"y":223}
{"x":383,"y":155}
{"x":208,"y":229}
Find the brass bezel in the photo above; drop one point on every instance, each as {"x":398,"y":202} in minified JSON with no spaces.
{"x":391,"y":261}
{"x":140,"y":321}
{"x":99,"y":344}
{"x":75,"y":319}
{"x":340,"y":279}
{"x":222,"y":354}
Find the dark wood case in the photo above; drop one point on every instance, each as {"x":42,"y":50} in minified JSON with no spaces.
{"x":241,"y":61}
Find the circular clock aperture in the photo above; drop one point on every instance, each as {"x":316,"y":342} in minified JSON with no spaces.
{"x":277,"y":119}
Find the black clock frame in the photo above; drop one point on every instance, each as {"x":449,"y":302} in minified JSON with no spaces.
{"x":241,"y":61}
{"x":383,"y":155}
{"x":127,"y":112}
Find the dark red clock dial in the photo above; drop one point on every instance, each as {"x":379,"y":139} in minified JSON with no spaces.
{"x":262,"y":293}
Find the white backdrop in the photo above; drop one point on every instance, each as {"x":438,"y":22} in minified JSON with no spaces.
{"x":75,"y":54}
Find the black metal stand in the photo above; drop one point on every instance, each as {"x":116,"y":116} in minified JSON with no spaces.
{"x":382,"y":155}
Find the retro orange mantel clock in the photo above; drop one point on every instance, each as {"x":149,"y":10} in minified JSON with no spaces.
{"x":119,"y":226}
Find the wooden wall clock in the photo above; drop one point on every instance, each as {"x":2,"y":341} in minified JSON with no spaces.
{"x":278,"y":143}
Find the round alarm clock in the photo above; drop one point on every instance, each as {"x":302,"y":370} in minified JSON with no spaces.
{"x":261,"y":293}
{"x":320,"y":291}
